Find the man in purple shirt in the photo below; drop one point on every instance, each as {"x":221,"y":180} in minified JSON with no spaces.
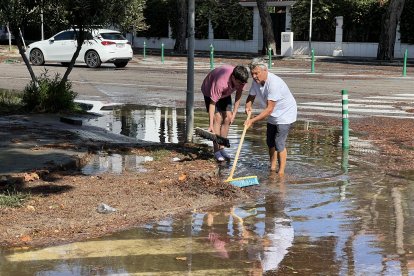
{"x":217,"y":88}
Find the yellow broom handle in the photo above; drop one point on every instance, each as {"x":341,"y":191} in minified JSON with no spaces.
{"x":239,"y":148}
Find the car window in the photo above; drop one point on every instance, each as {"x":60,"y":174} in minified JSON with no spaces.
{"x":68,"y":35}
{"x":113,"y":36}
{"x":88,"y":35}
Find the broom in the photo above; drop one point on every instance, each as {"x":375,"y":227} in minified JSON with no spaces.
{"x":213,"y":137}
{"x":246,"y":180}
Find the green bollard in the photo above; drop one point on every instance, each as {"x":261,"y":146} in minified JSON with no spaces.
{"x":270,"y":57}
{"x":211,"y":57}
{"x":162,"y":53}
{"x":345,"y":120}
{"x":345,"y":169}
{"x":313,"y":61}
{"x":405,"y":63}
{"x":144,"y":50}
{"x":345,"y":160}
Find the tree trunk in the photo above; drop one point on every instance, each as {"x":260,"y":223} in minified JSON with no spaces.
{"x":22,"y":52}
{"x":180,"y":40}
{"x":388,"y":30}
{"x":80,"y":38}
{"x":266,"y":22}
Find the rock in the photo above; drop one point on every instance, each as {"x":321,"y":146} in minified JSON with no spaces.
{"x":105,"y":209}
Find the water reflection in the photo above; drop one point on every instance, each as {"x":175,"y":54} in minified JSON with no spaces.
{"x":154,"y":124}
{"x":115,"y":163}
{"x":333,"y":214}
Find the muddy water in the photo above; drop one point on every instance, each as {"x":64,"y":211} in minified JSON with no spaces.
{"x":333,"y":214}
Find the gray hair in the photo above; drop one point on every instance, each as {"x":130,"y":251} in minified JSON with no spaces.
{"x":258,"y":62}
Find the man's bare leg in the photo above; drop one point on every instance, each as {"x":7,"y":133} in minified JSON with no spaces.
{"x":273,"y":159}
{"x":225,"y":125}
{"x":218,"y":121}
{"x":281,"y":157}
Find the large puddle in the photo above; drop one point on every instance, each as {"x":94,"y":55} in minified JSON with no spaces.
{"x":334,"y":214}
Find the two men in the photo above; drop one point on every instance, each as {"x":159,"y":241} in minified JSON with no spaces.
{"x":272,"y":93}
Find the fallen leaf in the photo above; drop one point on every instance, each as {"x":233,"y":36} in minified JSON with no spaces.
{"x":25,"y":238}
{"x":182,"y":177}
{"x":30,"y":208}
{"x":181,"y":258}
{"x":31,"y":177}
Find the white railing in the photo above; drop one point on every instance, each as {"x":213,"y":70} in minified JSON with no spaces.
{"x":349,"y":49}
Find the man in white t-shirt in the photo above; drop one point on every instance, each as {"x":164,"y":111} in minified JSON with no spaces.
{"x":279,"y":107}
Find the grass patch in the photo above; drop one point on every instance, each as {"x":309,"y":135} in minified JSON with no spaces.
{"x":10,"y":101}
{"x":160,"y":154}
{"x":12,"y":199}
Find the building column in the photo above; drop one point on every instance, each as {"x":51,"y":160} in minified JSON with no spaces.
{"x":257,"y":30}
{"x":288,"y":21}
{"x":338,"y":36}
{"x":210,"y":32}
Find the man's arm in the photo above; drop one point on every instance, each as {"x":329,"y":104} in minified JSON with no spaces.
{"x":266,"y":112}
{"x":211,"y":111}
{"x":236,"y":105}
{"x":249,"y":103}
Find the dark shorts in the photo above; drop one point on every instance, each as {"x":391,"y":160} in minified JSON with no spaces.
{"x":222,"y":105}
{"x":276,"y":136}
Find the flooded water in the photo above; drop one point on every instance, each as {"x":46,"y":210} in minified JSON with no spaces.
{"x":333,"y":214}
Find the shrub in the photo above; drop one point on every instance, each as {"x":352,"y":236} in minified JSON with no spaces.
{"x":49,"y":95}
{"x":10,"y":101}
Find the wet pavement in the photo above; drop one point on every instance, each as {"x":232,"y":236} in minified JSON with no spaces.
{"x":334,"y":214}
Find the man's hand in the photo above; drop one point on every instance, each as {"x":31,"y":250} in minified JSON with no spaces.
{"x":211,"y":128}
{"x":233,"y":117}
{"x":248,"y":109}
{"x":248,"y":123}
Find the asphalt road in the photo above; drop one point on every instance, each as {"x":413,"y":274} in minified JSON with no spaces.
{"x":372,"y":89}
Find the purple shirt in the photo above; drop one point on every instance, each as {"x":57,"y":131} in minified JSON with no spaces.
{"x":218,"y":84}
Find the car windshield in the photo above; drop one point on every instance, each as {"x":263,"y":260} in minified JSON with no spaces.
{"x":113,"y":36}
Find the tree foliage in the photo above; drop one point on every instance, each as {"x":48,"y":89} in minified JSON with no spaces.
{"x":407,"y":22}
{"x":157,"y":18}
{"x":362,"y":19}
{"x":228,"y":18}
{"x":131,"y":18}
{"x":16,"y":13}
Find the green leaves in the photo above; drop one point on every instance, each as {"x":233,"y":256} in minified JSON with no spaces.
{"x":361,"y":19}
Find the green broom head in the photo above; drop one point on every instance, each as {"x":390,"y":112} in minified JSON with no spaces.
{"x":243,"y":181}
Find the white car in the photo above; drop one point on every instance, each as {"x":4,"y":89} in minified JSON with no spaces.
{"x":100,"y":46}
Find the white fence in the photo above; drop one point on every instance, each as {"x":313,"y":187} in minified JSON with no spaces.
{"x":349,"y":49}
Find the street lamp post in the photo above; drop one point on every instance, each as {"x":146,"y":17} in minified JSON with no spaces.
{"x":310,"y":27}
{"x":190,"y":73}
{"x":41,"y":26}
{"x":42,"y":32}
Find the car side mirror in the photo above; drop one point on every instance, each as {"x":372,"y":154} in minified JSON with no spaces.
{"x":51,"y":40}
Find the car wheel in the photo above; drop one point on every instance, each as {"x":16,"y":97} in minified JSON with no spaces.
{"x":121,"y":64}
{"x":92,"y":59}
{"x":36,"y":57}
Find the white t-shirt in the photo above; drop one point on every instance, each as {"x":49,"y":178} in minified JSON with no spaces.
{"x":275,"y":89}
